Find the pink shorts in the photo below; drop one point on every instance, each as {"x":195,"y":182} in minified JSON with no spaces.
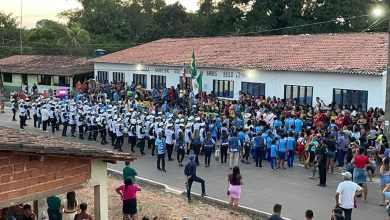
{"x":235,"y":191}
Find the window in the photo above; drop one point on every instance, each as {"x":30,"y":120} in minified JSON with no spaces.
{"x":301,"y":94}
{"x":61,"y":81}
{"x":44,"y":80}
{"x":253,"y":89}
{"x":158,"y":82}
{"x":187,"y":83}
{"x":140,"y":79}
{"x":347,"y":97}
{"x":7,"y":77}
{"x":223,"y":88}
{"x":102,"y":76}
{"x":118,"y":76}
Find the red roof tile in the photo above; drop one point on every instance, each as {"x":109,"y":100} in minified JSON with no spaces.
{"x":30,"y":143}
{"x":363,"y":53}
{"x":46,"y":65}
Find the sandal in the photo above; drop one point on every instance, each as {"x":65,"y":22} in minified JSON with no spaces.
{"x":382,"y":204}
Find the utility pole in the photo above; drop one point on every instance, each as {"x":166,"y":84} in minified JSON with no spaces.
{"x":20,"y":30}
{"x":387,"y":95}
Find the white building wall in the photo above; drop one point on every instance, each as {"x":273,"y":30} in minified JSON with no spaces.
{"x":322,"y":83}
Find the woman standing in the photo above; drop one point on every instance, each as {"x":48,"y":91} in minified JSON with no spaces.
{"x":359,"y":174}
{"x":196,"y":144}
{"x":224,"y":145}
{"x":69,"y":206}
{"x":128,"y":193}
{"x":385,"y":177}
{"x":234,"y":189}
{"x":208,"y":148}
{"x":180,"y":148}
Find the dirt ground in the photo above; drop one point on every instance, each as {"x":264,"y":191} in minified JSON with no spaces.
{"x":157,"y":203}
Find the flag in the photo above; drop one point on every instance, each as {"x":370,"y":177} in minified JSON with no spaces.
{"x":195,"y":76}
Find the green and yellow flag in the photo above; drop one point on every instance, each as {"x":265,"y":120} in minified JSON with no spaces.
{"x":195,"y":76}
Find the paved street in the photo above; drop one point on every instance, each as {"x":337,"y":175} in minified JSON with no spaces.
{"x":262,"y":187}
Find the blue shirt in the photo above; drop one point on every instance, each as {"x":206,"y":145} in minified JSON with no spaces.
{"x":341,"y":142}
{"x":277,"y":123}
{"x":282,"y":145}
{"x":234,"y":144}
{"x":274,"y":149}
{"x":298,"y":125}
{"x":269,"y":142}
{"x":160,"y":146}
{"x":258,"y":142}
{"x":290,"y":143}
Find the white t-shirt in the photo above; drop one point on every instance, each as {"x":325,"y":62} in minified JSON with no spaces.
{"x":169,"y":136}
{"x":347,"y":190}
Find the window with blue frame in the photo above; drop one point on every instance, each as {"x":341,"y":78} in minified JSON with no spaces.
{"x":301,"y":94}
{"x":158,"y":82}
{"x":223,"y":88}
{"x":349,"y":97}
{"x":253,"y":89}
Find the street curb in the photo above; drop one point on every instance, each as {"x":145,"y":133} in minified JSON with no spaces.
{"x":255,"y":214}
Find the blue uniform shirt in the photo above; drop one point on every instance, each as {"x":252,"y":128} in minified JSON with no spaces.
{"x":282,"y":145}
{"x":160,"y":146}
{"x":274,"y":149}
{"x":290,"y":143}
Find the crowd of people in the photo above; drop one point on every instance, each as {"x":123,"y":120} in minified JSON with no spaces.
{"x":252,"y":129}
{"x":68,"y":208}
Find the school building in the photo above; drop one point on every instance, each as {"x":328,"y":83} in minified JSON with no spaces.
{"x":348,"y":69}
{"x":47,"y":72}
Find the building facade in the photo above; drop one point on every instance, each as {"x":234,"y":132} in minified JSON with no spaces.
{"x":343,"y":89}
{"x":347,"y":69}
{"x":46,"y":72}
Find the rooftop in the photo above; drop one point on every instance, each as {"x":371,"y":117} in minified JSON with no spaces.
{"x":29,"y":143}
{"x":46,"y":65}
{"x":361,"y":53}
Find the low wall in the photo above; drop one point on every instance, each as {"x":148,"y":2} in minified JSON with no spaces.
{"x":253,"y":213}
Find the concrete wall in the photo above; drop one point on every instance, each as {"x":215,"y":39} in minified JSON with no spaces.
{"x":323,"y":83}
{"x":26,"y":178}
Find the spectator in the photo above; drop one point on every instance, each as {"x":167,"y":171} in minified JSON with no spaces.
{"x":309,"y":214}
{"x":128,"y":193}
{"x":234,"y":189}
{"x":54,"y":205}
{"x":277,"y":212}
{"x":28,"y":214}
{"x":190,"y":173}
{"x":83,"y":215}
{"x":2,"y":102}
{"x":345,"y":195}
{"x":70,"y":206}
{"x":129,"y":172}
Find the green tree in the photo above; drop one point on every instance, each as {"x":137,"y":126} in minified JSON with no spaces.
{"x":170,"y":21}
{"x":9,"y":35}
{"x":75,"y":36}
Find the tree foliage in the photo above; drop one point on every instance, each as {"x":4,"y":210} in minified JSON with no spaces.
{"x":117,"y":24}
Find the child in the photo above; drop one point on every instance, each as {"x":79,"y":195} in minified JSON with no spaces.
{"x":217,"y":153}
{"x":301,"y":148}
{"x":274,"y":152}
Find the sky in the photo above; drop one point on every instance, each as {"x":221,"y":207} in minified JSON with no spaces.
{"x":35,"y":10}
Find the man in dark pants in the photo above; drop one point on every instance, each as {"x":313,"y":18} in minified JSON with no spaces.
{"x":258,"y":143}
{"x":322,"y":163}
{"x":190,"y":173}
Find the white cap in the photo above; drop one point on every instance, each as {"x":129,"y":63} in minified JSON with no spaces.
{"x":347,"y":175}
